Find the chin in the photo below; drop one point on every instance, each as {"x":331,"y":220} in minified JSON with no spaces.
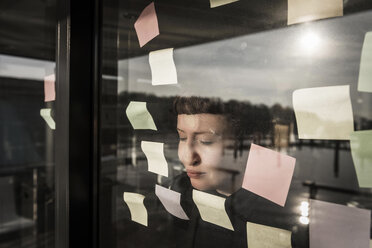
{"x":196,"y":184}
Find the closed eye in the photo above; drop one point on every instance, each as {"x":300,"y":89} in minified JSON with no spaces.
{"x":207,"y":143}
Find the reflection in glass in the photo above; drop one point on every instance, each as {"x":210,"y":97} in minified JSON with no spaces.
{"x":206,"y":128}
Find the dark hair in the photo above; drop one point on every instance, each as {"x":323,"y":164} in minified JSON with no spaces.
{"x":201,"y":105}
{"x":198,"y":105}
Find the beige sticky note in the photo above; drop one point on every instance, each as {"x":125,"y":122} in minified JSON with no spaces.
{"x":324,"y":113}
{"x":370,"y":244}
{"x":365,"y":69}
{"x":46,"y":114}
{"x":310,"y":10}
{"x":154,"y":152}
{"x":216,"y":3}
{"x":212,"y":209}
{"x":261,"y":236}
{"x":163,"y":69}
{"x":361,"y":151}
{"x":49,"y":88}
{"x":136,"y":207}
{"x":139,"y":116}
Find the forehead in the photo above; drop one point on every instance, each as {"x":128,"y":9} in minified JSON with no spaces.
{"x":201,"y":123}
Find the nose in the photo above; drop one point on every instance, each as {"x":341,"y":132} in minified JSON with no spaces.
{"x":188,"y":154}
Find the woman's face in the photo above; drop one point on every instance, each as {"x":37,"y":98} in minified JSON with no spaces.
{"x":201,"y":150}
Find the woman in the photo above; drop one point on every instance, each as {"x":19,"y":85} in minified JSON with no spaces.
{"x":210,"y":132}
{"x":207,"y":128}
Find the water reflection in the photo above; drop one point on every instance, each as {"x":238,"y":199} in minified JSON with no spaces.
{"x":272,"y":127}
{"x":304,"y":207}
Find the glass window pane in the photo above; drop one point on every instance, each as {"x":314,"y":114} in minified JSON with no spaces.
{"x":223,"y":126}
{"x":27,"y":102}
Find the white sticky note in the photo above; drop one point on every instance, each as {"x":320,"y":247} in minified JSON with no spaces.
{"x":163,"y":69}
{"x":136,"y":207}
{"x":261,"y":236}
{"x":324,"y":113}
{"x":154,"y":152}
{"x":217,"y":3}
{"x":171,"y":201}
{"x":365,"y":69}
{"x":212,"y":209}
{"x":46,"y":114}
{"x":139,"y":117}
{"x":311,"y":10}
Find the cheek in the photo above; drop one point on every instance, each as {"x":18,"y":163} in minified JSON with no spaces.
{"x":180,"y":152}
{"x":212,"y":156}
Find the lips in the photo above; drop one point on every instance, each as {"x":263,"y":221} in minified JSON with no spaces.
{"x":195,"y":174}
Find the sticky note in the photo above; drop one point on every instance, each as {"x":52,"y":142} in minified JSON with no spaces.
{"x":139,"y":116}
{"x":261,"y":236}
{"x":154,"y":153}
{"x":337,"y":226}
{"x":136,"y":207}
{"x":365,"y":69}
{"x":216,"y":3}
{"x":310,"y":10}
{"x":171,"y":201}
{"x":268,"y":174}
{"x":324,"y":113}
{"x":46,"y":114}
{"x":212,"y":209}
{"x":163,"y":69}
{"x":146,"y":26}
{"x":361,"y":151}
{"x":49,"y":88}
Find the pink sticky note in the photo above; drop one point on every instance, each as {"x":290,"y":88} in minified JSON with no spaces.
{"x":269,"y":174}
{"x":49,"y":88}
{"x":147,"y":27}
{"x":171,"y":201}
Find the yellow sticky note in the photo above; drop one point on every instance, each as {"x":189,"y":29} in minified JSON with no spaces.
{"x":136,"y":207}
{"x":216,"y":3}
{"x":365,"y":70}
{"x":212,"y":209}
{"x":361,"y":151}
{"x":163,"y":69}
{"x":46,"y":114}
{"x":139,"y":116}
{"x":261,"y":236}
{"x":310,"y":10}
{"x":324,"y":113}
{"x":154,"y":152}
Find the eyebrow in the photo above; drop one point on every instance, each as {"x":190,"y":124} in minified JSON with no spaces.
{"x":204,"y":132}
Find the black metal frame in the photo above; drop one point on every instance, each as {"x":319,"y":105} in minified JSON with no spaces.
{"x":77,"y":123}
